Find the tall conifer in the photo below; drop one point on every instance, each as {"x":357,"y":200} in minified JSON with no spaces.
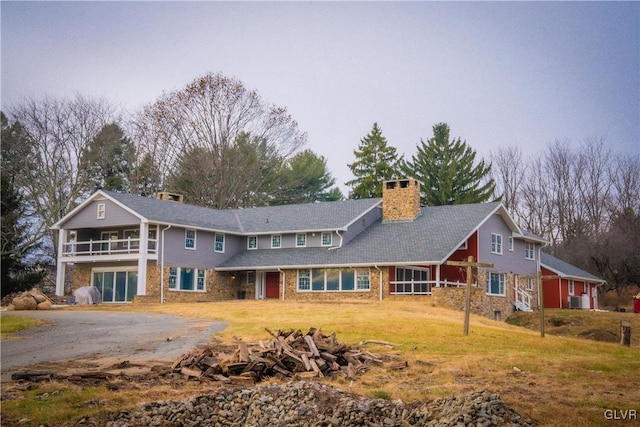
{"x":376,"y":161}
{"x":448,"y":171}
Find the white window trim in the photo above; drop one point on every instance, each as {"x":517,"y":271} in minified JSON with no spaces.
{"x":305,"y":240}
{"x":101,"y":211}
{"x":504,"y":284}
{"x":356,"y":274}
{"x":195,"y":235}
{"x":571,"y":287}
{"x":463,"y":246}
{"x":510,"y":243}
{"x":279,"y":236}
{"x":197,"y":271}
{"x":324,"y":233}
{"x":500,"y":246}
{"x":249,"y":248}
{"x":215,"y":242}
{"x":529,"y":285}
{"x":532,"y":251}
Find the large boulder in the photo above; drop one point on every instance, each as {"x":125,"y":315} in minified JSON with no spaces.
{"x":25,"y":301}
{"x":45,"y":305}
{"x":38,"y":296}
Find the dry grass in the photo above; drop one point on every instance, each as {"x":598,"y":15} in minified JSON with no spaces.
{"x":560,"y":381}
{"x":563,"y":381}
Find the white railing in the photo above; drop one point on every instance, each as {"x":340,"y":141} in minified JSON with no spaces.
{"x":420,"y":287}
{"x":107,"y":247}
{"x":523,"y":300}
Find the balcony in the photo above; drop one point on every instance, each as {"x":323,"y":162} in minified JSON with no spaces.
{"x":421,"y":287}
{"x":112,"y":249}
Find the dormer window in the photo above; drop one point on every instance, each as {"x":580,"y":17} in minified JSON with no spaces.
{"x":326,"y":239}
{"x":102,"y":210}
{"x":301,"y":240}
{"x":276,"y":241}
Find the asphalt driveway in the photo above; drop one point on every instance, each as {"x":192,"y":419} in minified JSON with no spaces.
{"x":76,"y":334}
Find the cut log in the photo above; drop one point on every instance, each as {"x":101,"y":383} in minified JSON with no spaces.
{"x":312,"y":345}
{"x":32,"y":375}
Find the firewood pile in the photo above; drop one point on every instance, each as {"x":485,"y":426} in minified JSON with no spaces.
{"x":289,"y":353}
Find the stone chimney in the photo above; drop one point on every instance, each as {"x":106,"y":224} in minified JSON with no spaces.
{"x":171,"y":197}
{"x":400,"y":200}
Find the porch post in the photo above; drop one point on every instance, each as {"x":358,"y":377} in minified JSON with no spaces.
{"x":437,"y":275}
{"x":61,"y":267}
{"x":142,"y":259}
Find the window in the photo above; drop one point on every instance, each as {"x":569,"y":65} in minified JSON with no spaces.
{"x":276,"y":241}
{"x":190,"y":239}
{"x":252,"y":242}
{"x":571,"y":287}
{"x":510,"y":240}
{"x":219,"y":243}
{"x":465,"y":245}
{"x":301,"y":240}
{"x":304,"y":280}
{"x":186,"y":279}
{"x":363,"y":279}
{"x":102,"y":211}
{"x":496,"y":243}
{"x":326,"y":239}
{"x":152,"y":240}
{"x":529,"y":284}
{"x":411,"y":281}
{"x":251,"y":278}
{"x":530,"y":251}
{"x":334,"y":279}
{"x":587,"y":288}
{"x":495,"y":284}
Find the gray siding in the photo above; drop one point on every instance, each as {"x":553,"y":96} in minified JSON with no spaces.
{"x":510,"y":261}
{"x":88,"y":217}
{"x":203,"y":255}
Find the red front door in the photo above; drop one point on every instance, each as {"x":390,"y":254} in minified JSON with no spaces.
{"x":272,"y":285}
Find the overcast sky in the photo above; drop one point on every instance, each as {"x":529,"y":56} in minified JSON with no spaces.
{"x":498,"y":73}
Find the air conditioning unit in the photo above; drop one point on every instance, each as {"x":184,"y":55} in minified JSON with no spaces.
{"x":575,"y":302}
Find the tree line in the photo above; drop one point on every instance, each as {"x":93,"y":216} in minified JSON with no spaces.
{"x":222,"y":146}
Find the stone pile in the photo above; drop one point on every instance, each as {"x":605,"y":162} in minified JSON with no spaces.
{"x":31,"y":300}
{"x":316,"y":404}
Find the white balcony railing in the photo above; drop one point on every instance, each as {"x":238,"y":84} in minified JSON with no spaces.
{"x":419,"y":287}
{"x":107,"y":247}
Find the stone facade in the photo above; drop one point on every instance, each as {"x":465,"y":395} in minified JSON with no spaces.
{"x":80,"y":276}
{"x":400,"y":200}
{"x":220,"y":286}
{"x":292,"y":293}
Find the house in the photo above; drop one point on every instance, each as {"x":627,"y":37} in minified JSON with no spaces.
{"x":162,"y":250}
{"x":571,"y":287}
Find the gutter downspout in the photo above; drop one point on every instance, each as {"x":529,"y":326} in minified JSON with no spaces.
{"x":162,"y":301}
{"x":340,"y":245}
{"x":380,"y":277}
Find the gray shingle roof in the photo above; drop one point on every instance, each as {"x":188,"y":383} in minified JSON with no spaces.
{"x":289,"y":218}
{"x":429,"y":238}
{"x":564,"y":269}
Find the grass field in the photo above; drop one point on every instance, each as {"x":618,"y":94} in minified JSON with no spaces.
{"x":556,"y":380}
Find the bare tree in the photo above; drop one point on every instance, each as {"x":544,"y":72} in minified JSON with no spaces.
{"x":594,"y":184}
{"x":625,"y":178}
{"x":509,"y":171}
{"x":54,"y":176}
{"x":211,"y":116}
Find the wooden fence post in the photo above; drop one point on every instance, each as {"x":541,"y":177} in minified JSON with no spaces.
{"x":625,"y":332}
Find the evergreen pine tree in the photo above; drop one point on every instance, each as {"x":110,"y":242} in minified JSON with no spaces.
{"x":447,"y":171}
{"x":376,"y":161}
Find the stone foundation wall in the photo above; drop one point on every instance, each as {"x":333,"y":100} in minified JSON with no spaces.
{"x":491,"y":306}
